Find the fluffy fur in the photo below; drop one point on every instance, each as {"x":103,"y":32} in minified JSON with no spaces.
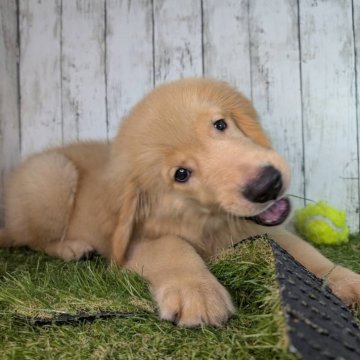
{"x":121,"y":200}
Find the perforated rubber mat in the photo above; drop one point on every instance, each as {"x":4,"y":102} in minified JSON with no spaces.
{"x":320,"y":326}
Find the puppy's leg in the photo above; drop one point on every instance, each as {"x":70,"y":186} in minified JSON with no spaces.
{"x":344,"y":282}
{"x":39,"y":203}
{"x":185,"y":290}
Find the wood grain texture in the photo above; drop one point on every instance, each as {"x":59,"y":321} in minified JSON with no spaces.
{"x":84,"y":63}
{"x":275,"y":62}
{"x":83,"y":70}
{"x":41,"y":123}
{"x":226,"y":42}
{"x":329,"y":104}
{"x":9,"y":114}
{"x":178,"y":42}
{"x":129,"y":54}
{"x":356,"y":36}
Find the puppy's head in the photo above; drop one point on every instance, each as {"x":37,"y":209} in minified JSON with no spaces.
{"x":201,"y":140}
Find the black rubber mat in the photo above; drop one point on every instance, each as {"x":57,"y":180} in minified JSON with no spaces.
{"x":73,"y":319}
{"x":320,"y":326}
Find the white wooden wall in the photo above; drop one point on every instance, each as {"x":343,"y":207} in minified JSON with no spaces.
{"x":70,"y":69}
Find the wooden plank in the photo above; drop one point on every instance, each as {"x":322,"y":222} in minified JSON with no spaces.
{"x":40,"y":74}
{"x":129,"y":58}
{"x":9,"y":114}
{"x":226,"y":42}
{"x":178,"y":43}
{"x":356,"y":36}
{"x":83,"y":69}
{"x":276,"y":81}
{"x":329,"y":108}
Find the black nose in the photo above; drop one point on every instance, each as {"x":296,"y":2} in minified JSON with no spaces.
{"x":265,"y":187}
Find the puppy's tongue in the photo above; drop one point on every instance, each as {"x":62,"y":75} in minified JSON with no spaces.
{"x":276,"y":214}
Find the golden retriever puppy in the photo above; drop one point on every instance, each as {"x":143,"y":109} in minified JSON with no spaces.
{"x":190,"y":172}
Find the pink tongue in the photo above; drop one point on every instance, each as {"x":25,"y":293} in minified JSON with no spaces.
{"x":276,"y":214}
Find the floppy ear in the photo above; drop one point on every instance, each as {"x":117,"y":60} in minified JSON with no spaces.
{"x":251,"y":127}
{"x":126,"y":222}
{"x":246,"y":118}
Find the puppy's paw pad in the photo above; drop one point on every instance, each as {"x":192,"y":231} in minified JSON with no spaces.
{"x":90,"y":255}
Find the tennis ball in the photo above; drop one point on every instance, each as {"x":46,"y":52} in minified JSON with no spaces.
{"x":320,"y":223}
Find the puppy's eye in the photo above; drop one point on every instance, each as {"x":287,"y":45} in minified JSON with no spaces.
{"x":182,"y":175}
{"x":220,"y":125}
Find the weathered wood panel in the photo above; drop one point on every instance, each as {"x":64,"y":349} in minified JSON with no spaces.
{"x":356,"y":36}
{"x":83,"y":70}
{"x":328,"y":78}
{"x":275,"y":62}
{"x":129,"y":54}
{"x":84,"y":63}
{"x":40,"y":111}
{"x":226,"y":42}
{"x":177,"y":39}
{"x":9,"y":114}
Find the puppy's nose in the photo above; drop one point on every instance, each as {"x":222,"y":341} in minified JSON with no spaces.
{"x":265,"y":187}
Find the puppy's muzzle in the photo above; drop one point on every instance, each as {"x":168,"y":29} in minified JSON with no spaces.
{"x":266,"y":186}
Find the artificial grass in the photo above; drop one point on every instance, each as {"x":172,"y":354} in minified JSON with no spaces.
{"x":347,"y":255}
{"x":32,"y":284}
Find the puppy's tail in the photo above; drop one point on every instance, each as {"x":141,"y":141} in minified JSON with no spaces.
{"x":5,"y":239}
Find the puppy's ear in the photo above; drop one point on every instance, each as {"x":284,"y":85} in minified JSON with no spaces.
{"x":247,"y":121}
{"x":126,"y":222}
{"x":251,"y":127}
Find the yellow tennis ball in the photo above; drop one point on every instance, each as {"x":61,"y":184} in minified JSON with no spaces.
{"x":320,"y":223}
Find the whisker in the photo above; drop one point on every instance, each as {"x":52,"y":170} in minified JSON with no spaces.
{"x":300,"y":197}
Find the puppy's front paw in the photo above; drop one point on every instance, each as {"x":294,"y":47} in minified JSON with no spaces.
{"x":70,"y":250}
{"x":345,"y":284}
{"x":194,"y":301}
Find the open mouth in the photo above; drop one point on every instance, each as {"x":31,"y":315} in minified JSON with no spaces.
{"x":276,"y":214}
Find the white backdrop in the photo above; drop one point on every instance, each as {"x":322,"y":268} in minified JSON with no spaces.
{"x":70,"y":69}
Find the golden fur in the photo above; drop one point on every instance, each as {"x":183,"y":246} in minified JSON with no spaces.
{"x":121,"y":199}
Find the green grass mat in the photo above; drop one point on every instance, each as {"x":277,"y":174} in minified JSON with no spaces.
{"x":32,"y":284}
{"x":347,"y":254}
